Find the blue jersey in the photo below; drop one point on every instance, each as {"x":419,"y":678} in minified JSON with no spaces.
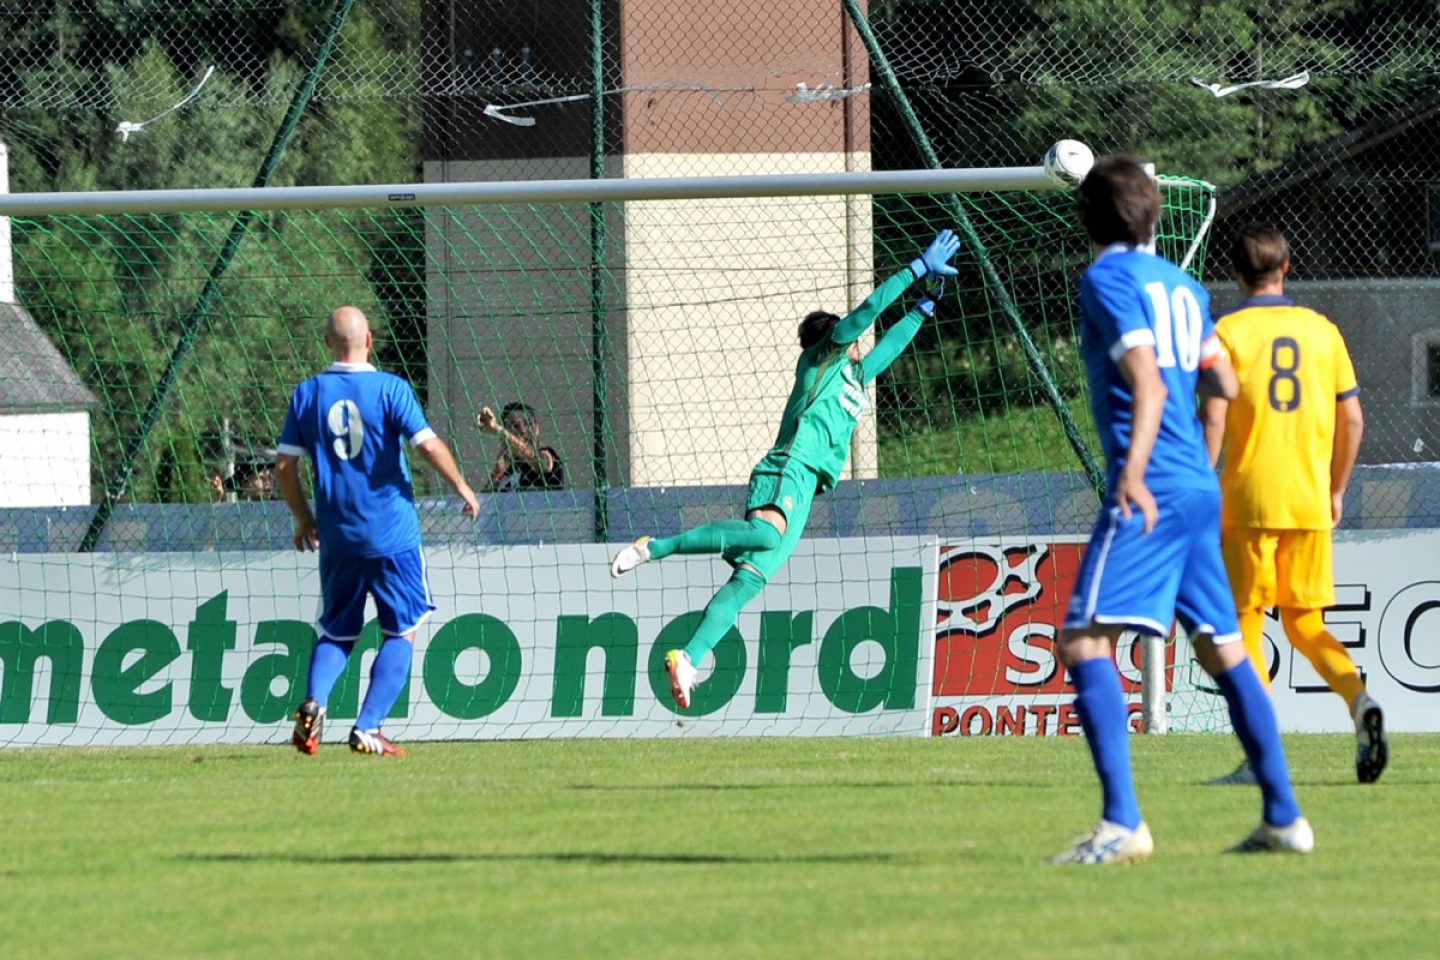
{"x":353,"y":421}
{"x":1130,"y":297}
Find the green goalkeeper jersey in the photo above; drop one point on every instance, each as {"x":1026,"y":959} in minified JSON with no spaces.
{"x":829,"y":394}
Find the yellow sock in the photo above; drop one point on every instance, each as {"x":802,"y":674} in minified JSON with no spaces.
{"x":1307,"y":633}
{"x":1252,"y":633}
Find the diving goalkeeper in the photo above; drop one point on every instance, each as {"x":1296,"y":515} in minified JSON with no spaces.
{"x":808,"y":455}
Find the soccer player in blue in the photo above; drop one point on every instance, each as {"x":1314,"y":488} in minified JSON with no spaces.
{"x":1148,"y":343}
{"x":352,"y":421}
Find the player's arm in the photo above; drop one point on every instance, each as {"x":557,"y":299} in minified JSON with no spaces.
{"x":895,"y":340}
{"x":1212,"y":418}
{"x":438,"y":455}
{"x":934,"y":264}
{"x":1217,"y":374}
{"x":410,"y":420}
{"x":287,"y":477}
{"x":1217,"y":385}
{"x":1349,"y":427}
{"x":1147,"y":404}
{"x":288,"y":451}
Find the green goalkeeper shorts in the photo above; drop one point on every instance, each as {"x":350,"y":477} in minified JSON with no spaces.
{"x":791,"y":491}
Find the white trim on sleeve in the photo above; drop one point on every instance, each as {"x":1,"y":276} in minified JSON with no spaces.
{"x":421,"y":437}
{"x":1129,"y":341}
{"x":1212,"y":347}
{"x":288,"y":450}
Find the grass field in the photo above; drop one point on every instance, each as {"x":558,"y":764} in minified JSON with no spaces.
{"x":725,"y":848}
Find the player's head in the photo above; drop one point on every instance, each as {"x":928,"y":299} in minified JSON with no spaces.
{"x":519,"y":418}
{"x":347,"y":334}
{"x":1119,"y":202}
{"x":1259,"y":256}
{"x":817,"y":328}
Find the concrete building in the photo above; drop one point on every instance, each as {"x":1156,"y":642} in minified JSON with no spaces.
{"x":700,"y":300}
{"x":1363,"y":216}
{"x":44,"y":407}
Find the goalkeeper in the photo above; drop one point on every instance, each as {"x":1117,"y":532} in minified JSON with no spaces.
{"x":808,"y":455}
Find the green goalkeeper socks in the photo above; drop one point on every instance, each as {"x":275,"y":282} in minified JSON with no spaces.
{"x":722,"y":610}
{"x":719,"y":537}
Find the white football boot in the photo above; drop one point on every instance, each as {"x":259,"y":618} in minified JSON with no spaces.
{"x":1295,"y":838}
{"x":1110,"y":843}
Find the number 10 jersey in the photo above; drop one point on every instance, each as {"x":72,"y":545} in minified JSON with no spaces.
{"x":1129,"y":298}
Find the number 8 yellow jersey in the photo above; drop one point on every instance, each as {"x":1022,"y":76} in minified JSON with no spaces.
{"x":1280,"y":431}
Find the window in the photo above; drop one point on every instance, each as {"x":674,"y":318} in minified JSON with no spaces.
{"x":1425,"y":368}
{"x":1433,"y":219}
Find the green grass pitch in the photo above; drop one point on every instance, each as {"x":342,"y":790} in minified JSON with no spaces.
{"x":700,"y":849}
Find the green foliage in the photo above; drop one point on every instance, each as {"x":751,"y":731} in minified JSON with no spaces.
{"x":1118,"y":75}
{"x":115,"y":303}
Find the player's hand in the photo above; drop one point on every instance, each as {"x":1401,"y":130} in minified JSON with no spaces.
{"x":472,"y":503}
{"x":307,"y":536}
{"x":935,"y":261}
{"x":1132,"y":492}
{"x":217,"y":485}
{"x":487,"y":421}
{"x":1337,"y":508}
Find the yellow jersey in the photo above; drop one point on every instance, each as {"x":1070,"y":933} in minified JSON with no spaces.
{"x":1280,"y":431}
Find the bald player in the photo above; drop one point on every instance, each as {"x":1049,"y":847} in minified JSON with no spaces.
{"x":352,"y":421}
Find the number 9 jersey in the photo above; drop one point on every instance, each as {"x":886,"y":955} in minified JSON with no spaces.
{"x":1280,"y":432}
{"x":353,"y":421}
{"x":1129,"y":297}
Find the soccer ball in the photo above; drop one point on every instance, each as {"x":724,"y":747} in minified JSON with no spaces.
{"x":1067,"y":162}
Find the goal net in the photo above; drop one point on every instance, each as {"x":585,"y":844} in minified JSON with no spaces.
{"x":649,"y":331}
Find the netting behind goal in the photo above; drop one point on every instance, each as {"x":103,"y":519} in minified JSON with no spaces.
{"x":152,"y":595}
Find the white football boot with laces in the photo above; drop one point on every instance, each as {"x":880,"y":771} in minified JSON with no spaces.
{"x":1295,"y":838}
{"x":630,"y":557}
{"x":1109,"y":842}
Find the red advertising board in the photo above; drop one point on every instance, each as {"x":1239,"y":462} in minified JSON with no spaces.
{"x":999,"y":613}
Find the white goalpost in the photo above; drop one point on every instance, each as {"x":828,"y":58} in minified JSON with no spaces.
{"x":651,"y":323}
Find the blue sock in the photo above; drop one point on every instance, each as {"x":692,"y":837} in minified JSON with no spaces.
{"x":327,"y":662}
{"x":1100,"y":701}
{"x":387,"y":678}
{"x":1253,"y":716}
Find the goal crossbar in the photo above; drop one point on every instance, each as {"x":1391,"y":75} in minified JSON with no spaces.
{"x":530,"y":191}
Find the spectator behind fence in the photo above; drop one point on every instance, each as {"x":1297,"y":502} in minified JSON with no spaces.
{"x":252,"y":477}
{"x":521,"y":463}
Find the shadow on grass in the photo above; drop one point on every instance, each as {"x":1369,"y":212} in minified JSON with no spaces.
{"x":561,"y":856}
{"x":819,"y":785}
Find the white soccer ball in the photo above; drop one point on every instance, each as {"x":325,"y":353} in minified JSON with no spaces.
{"x":1067,"y":162}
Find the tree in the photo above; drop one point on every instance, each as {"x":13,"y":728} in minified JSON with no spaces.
{"x":114,"y":292}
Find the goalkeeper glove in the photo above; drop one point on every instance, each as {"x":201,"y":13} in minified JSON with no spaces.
{"x":934,"y":291}
{"x":935,"y":261}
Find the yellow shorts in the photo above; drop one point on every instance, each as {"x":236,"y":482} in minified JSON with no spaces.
{"x":1284,"y":568}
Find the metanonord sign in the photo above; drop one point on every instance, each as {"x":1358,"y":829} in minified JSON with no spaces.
{"x":528,"y":642}
{"x":876,"y":636}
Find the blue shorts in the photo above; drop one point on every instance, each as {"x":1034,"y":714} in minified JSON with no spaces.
{"x":399,"y":584}
{"x":1145,"y":580}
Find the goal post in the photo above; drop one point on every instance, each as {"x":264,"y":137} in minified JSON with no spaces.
{"x":486,"y":294}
